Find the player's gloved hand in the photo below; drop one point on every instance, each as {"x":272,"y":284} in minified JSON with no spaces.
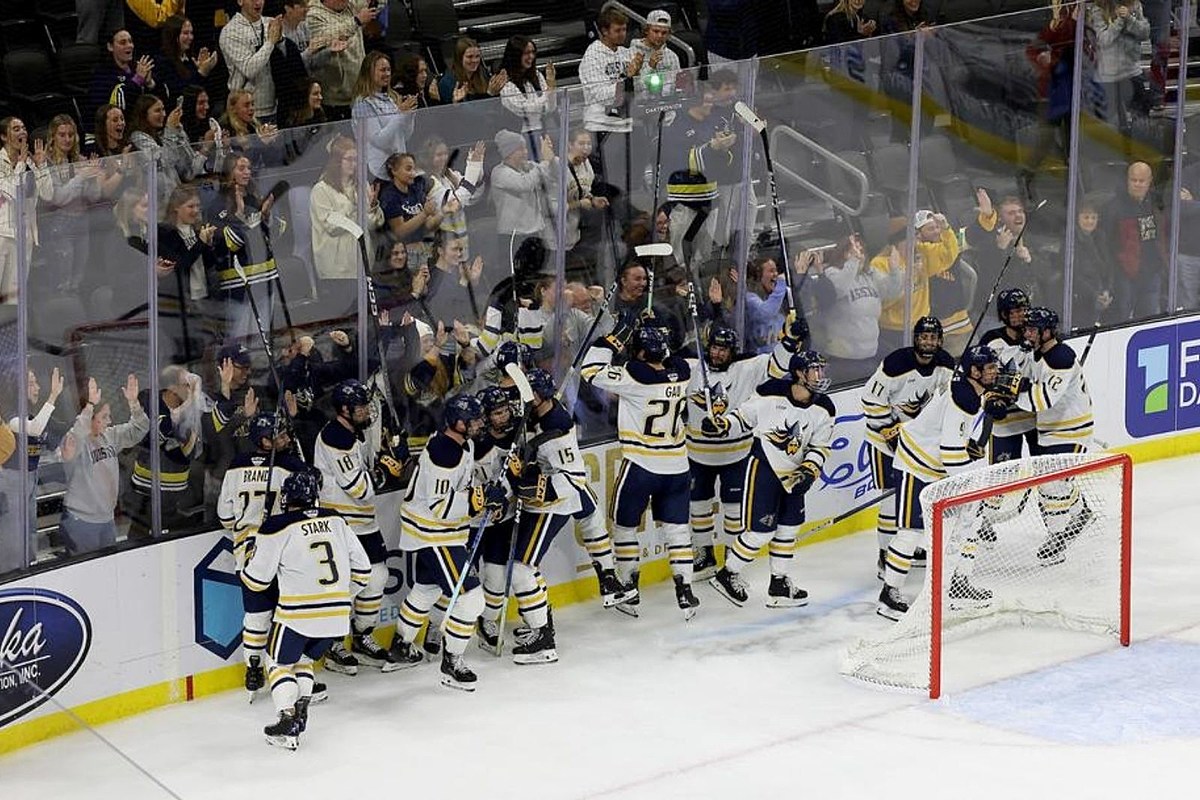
{"x":716,"y":426}
{"x":646,"y":317}
{"x":619,"y":337}
{"x":803,"y":478}
{"x":976,"y":450}
{"x":514,"y":466}
{"x":995,"y":406}
{"x":795,"y":331}
{"x":891,"y":435}
{"x":537,"y":492}
{"x":494,"y":496}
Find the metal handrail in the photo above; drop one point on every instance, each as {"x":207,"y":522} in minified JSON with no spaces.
{"x":783,"y":131}
{"x":639,"y":19}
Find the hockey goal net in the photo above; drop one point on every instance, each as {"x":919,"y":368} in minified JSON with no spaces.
{"x":1041,"y":541}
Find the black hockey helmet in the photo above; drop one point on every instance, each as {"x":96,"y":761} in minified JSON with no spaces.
{"x":977,"y":356}
{"x":927,"y":324}
{"x":263,"y":426}
{"x":493,"y":399}
{"x":1042,"y":318}
{"x":805,"y":360}
{"x":652,"y":342}
{"x":1010,"y":300}
{"x":350,"y":394}
{"x":510,"y":352}
{"x":463,"y":408}
{"x":301,"y":489}
{"x":542,"y":383}
{"x":722,"y":336}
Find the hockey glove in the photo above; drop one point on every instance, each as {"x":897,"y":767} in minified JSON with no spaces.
{"x":795,"y":332}
{"x":514,"y":466}
{"x":619,"y":337}
{"x":494,"y":496}
{"x":891,"y":435}
{"x":995,"y":406}
{"x":537,"y":492}
{"x":803,"y":478}
{"x":976,"y":450}
{"x":717,"y":426}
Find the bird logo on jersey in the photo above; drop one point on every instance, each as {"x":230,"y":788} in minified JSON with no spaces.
{"x":913,"y":407}
{"x":786,"y":439}
{"x":720,"y":400}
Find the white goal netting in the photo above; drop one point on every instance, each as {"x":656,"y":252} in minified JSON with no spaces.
{"x":1041,"y":541}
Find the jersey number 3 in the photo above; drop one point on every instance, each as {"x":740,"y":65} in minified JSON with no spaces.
{"x":328,"y":561}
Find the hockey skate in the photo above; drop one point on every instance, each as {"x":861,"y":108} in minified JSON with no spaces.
{"x":611,"y":591}
{"x":370,"y":652}
{"x":783,"y":594}
{"x":964,"y":594}
{"x":320,"y":693}
{"x":285,"y":732}
{"x":455,"y":672}
{"x":704,"y":564}
{"x":537,"y":648}
{"x":302,"y":712}
{"x":339,"y":659}
{"x":489,"y":636}
{"x":1054,"y":549}
{"x":255,"y":676}
{"x":881,"y":565}
{"x":629,"y":606}
{"x":404,"y":654}
{"x":731,"y":586}
{"x":919,"y":558}
{"x":688,"y":602}
{"x":891,"y":604}
{"x":522,"y":632}
{"x":433,"y":642}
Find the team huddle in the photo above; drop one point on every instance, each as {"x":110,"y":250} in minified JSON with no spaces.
{"x":741,"y":436}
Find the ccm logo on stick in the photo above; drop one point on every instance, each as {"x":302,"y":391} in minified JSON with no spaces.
{"x":44,"y":638}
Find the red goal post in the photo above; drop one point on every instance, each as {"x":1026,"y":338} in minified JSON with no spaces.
{"x":996,"y":526}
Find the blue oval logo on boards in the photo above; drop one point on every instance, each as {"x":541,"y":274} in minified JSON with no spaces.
{"x":44,"y":638}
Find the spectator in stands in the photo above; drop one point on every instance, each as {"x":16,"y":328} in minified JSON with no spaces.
{"x":1120,"y":29}
{"x":120,"y":81}
{"x":41,"y":436}
{"x":64,"y":223}
{"x":1053,"y":57}
{"x":386,"y":117}
{"x":313,"y":112}
{"x":412,"y":215}
{"x":17,"y":162}
{"x":197,"y":123}
{"x":13,"y":553}
{"x":991,"y":235}
{"x":583,"y":258}
{"x":1092,"y":270}
{"x":936,"y":249}
{"x":295,"y":54}
{"x":335,"y":250}
{"x":177,"y":69}
{"x":520,"y":190}
{"x":244,"y":135}
{"x":110,"y":137}
{"x":527,"y":94}
{"x":98,"y":20}
{"x":766,"y":294}
{"x":606,"y":72}
{"x":455,"y":292}
{"x":846,"y":22}
{"x":90,"y":453}
{"x":454,"y":191}
{"x":331,"y":21}
{"x":247,"y":42}
{"x":148,"y":19}
{"x":468,"y":78}
{"x":412,"y":78}
{"x":658,"y":59}
{"x":186,"y":242}
{"x":1188,"y":258}
{"x":1138,"y":232}
{"x":162,"y":138}
{"x":849,"y":298}
{"x":114,"y":286}
{"x":907,"y":16}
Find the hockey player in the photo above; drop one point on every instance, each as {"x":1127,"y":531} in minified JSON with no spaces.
{"x":241,"y":509}
{"x":1016,"y":358}
{"x":904,"y":383}
{"x":349,"y":485}
{"x":732,"y":378}
{"x":791,"y":421}
{"x":933,"y":446}
{"x":441,"y":510}
{"x":652,"y":388}
{"x":1057,"y":393}
{"x":318,"y":565}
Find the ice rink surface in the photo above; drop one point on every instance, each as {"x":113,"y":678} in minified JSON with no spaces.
{"x":738,"y":703}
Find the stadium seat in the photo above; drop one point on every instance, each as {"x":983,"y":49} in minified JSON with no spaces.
{"x":76,"y":62}
{"x":30,"y":78}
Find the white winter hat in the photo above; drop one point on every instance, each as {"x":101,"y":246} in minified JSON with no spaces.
{"x":658,"y":17}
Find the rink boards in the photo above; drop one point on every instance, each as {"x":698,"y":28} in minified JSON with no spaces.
{"x":121,"y":634}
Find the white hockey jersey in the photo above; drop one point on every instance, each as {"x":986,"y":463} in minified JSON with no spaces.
{"x":553,"y":444}
{"x":934,"y":445}
{"x":788,"y":432}
{"x":320,"y":565}
{"x":731,"y":387}
{"x":1013,"y":358}
{"x":436,"y":511}
{"x":900,"y":388}
{"x":652,"y":404}
{"x":346,"y":485}
{"x":490,"y":457}
{"x":1059,"y":396}
{"x":244,"y":493}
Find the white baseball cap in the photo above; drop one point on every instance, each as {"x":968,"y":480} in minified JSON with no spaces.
{"x":922,"y":218}
{"x":658,"y":17}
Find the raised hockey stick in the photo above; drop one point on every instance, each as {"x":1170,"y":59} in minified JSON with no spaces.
{"x":760,"y":125}
{"x":354,"y":229}
{"x":526,"y":391}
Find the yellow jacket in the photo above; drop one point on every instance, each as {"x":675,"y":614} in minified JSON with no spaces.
{"x":937,"y":257}
{"x":155,"y":12}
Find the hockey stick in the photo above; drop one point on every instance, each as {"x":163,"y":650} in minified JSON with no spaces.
{"x":829,"y":523}
{"x":759,"y":124}
{"x":350,"y":226}
{"x":587,"y":339}
{"x":526,"y":391}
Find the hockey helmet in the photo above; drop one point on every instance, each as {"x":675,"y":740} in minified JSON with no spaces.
{"x":347,"y":398}
{"x":542,"y":383}
{"x":510,"y":352}
{"x":300,"y":489}
{"x":263,"y":426}
{"x":494,"y":399}
{"x":462,"y":408}
{"x":1010,"y":300}
{"x":803,"y":362}
{"x":980,"y":356}
{"x":722,"y":336}
{"x":926,"y":325}
{"x":1042,"y":318}
{"x":652,"y":342}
